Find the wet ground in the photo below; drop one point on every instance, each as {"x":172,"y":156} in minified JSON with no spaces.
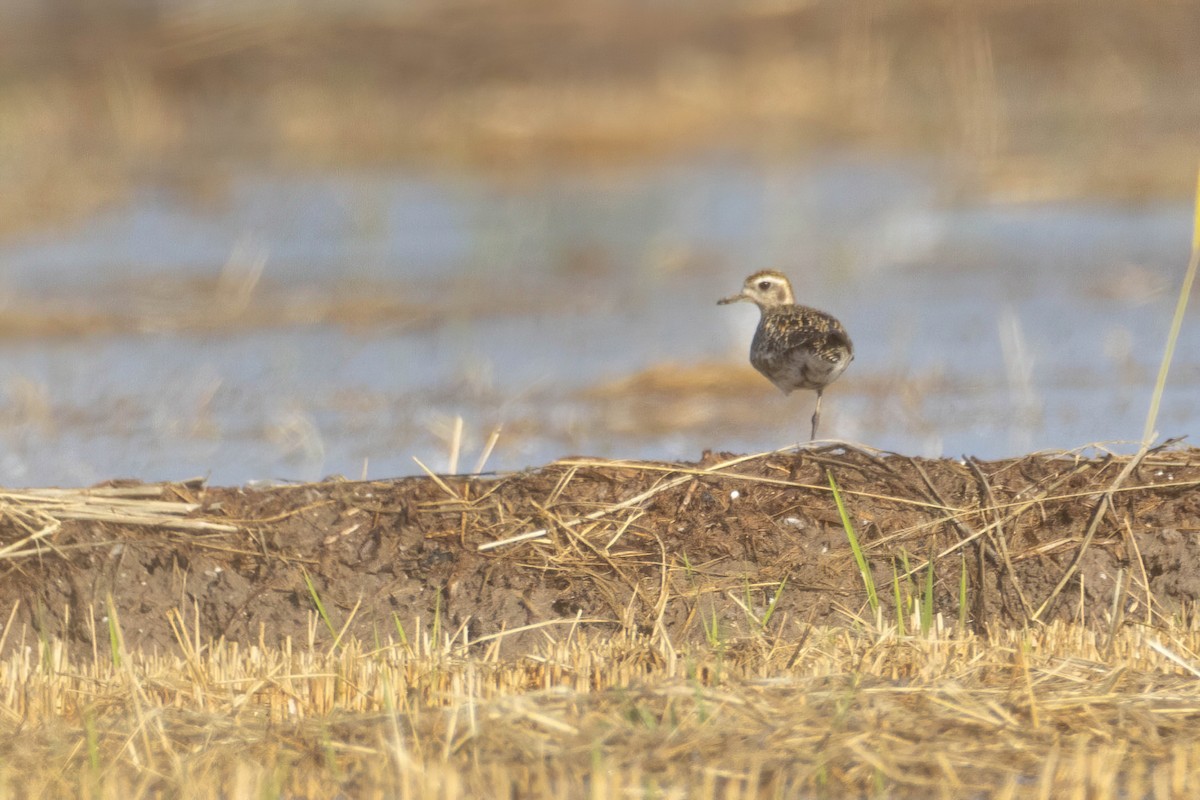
{"x":280,"y":243}
{"x":297,"y":327}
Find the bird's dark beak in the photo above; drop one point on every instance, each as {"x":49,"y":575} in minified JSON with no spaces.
{"x":724,"y":301}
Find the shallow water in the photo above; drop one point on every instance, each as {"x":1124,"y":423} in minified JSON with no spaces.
{"x":987,"y":329}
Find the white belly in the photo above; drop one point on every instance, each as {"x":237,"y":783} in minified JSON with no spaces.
{"x":800,"y":370}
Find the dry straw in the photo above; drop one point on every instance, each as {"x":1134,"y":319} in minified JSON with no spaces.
{"x":1185,"y":291}
{"x":800,"y":711}
{"x":41,"y":512}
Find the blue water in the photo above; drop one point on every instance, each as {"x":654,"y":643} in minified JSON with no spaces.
{"x":981,"y":328}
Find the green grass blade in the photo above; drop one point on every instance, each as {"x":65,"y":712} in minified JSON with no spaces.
{"x":92,"y":742}
{"x":400,"y":630}
{"x":962,"y":596}
{"x":316,"y":598}
{"x":114,"y":632}
{"x":927,"y":600}
{"x":437,"y":618}
{"x":688,"y":570}
{"x":712,"y":632}
{"x":749,"y":604}
{"x":774,"y":602}
{"x":859,"y":558}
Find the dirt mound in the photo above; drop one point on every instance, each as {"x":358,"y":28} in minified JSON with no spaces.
{"x":689,"y":550}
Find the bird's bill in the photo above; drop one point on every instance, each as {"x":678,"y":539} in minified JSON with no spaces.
{"x":724,"y":301}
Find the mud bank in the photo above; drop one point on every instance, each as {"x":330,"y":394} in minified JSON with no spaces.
{"x":661,"y":548}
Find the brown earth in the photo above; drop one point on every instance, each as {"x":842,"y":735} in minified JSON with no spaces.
{"x":658,"y":548}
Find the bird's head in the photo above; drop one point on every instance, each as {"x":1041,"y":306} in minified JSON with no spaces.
{"x":765,"y":289}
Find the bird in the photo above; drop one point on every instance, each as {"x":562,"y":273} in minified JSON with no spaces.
{"x":794,"y":347}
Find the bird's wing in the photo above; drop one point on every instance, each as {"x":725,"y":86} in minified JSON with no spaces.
{"x":810,"y":329}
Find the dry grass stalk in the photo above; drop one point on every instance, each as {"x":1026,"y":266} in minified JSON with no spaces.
{"x":1102,"y":506}
{"x":807,"y":710}
{"x":139,"y":506}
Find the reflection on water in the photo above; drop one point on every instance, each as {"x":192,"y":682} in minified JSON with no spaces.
{"x":985,"y":330}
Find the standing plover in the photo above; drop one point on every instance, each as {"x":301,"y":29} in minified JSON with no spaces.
{"x":795,"y":347}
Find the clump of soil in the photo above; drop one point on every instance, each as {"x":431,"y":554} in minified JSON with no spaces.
{"x":655,"y":547}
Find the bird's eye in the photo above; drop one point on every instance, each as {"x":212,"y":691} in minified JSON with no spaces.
{"x":764,"y":285}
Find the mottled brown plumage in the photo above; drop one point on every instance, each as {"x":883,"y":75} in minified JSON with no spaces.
{"x":795,"y":347}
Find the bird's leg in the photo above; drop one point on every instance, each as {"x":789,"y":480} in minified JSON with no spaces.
{"x":816,"y":418}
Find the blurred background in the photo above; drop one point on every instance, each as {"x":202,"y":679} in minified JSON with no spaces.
{"x":282,"y":240}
